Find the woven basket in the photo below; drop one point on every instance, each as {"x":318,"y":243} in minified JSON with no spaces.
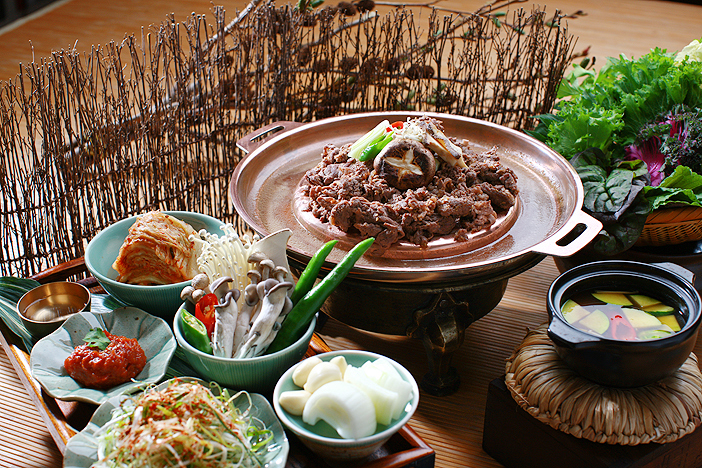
{"x":668,"y":226}
{"x":545,"y":387}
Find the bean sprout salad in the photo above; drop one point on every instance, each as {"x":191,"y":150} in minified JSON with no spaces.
{"x":184,"y":424}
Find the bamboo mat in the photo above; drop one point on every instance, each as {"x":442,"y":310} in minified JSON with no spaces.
{"x":25,"y":441}
{"x":451,"y":425}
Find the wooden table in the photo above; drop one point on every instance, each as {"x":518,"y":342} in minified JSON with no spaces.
{"x":451,"y":425}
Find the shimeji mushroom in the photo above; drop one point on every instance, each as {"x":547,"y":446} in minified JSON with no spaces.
{"x":199,"y":286}
{"x":251,"y":325}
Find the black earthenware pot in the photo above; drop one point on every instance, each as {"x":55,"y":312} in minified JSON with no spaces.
{"x":619,"y":363}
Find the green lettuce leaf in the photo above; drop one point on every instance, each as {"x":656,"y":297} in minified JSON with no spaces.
{"x":683,"y":187}
{"x":582,"y":127}
{"x":599,"y":115}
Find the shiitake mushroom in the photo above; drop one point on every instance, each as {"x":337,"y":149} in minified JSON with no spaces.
{"x":405,"y":164}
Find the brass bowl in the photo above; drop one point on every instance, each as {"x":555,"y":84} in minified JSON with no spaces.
{"x":45,"y":308}
{"x":415,"y":292}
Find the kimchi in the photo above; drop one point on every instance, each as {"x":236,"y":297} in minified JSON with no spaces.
{"x":157,"y":250}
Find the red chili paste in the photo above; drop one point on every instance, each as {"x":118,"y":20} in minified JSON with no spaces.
{"x":122,"y":360}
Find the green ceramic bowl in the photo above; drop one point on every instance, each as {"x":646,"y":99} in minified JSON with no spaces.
{"x":161,"y":300}
{"x":258,"y":374}
{"x":321,"y":438}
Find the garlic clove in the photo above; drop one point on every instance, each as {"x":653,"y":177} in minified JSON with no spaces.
{"x":321,"y":374}
{"x":294,"y":401}
{"x":340,"y":362}
{"x":302,"y":370}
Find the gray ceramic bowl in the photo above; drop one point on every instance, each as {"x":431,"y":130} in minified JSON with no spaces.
{"x":161,"y":300}
{"x":258,"y":374}
{"x":321,"y":438}
{"x":46,"y":307}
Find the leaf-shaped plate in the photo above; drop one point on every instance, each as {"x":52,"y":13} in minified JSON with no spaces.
{"x":81,"y":450}
{"x":153,"y":334}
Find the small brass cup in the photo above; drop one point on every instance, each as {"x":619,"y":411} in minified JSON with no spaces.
{"x":46,"y":307}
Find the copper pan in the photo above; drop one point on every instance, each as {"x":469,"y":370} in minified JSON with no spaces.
{"x":549,"y":207}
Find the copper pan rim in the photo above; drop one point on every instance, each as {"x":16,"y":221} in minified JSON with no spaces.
{"x":551,"y":194}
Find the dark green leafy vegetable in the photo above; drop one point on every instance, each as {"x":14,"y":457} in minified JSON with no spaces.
{"x":311,"y":271}
{"x":302,"y":313}
{"x":614,"y":195}
{"x":633,"y":133}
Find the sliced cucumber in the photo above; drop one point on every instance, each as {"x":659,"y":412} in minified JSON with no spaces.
{"x":659,"y":309}
{"x":597,"y":321}
{"x":660,"y":332}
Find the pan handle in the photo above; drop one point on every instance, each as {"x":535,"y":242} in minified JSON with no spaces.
{"x":558,"y":246}
{"x":253,"y":140}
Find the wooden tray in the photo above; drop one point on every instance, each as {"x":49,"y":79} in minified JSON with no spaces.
{"x":63,"y":418}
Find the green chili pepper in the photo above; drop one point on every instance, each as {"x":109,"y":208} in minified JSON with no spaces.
{"x":309,"y":275}
{"x":195,"y":332}
{"x":373,"y":150}
{"x":301,"y":314}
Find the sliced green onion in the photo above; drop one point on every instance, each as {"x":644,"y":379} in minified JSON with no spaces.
{"x":202,"y":430}
{"x":373,"y":150}
{"x":374,"y":136}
